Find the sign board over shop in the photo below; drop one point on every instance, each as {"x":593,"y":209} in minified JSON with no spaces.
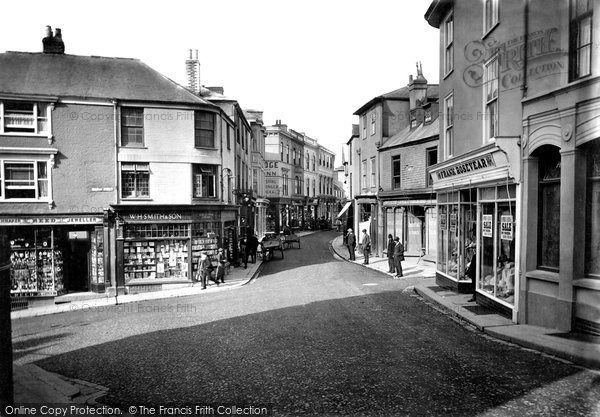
{"x":165,"y":217}
{"x":26,"y":221}
{"x":476,"y":164}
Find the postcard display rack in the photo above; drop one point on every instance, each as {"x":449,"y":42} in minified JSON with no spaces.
{"x":207,"y":244}
{"x":97,"y":259}
{"x":152,"y":259}
{"x":36,"y":268}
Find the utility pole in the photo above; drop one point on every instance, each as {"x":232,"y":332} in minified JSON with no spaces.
{"x":6,"y":358}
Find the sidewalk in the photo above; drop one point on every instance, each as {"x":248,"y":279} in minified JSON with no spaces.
{"x":581,"y":350}
{"x":237,"y":277}
{"x":33,"y":385}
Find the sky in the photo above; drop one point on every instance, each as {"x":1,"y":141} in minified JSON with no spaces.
{"x":310,"y":64}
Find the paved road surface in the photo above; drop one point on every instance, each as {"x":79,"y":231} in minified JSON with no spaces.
{"x":313,"y":335}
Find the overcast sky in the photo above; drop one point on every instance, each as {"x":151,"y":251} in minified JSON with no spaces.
{"x":310,"y":63}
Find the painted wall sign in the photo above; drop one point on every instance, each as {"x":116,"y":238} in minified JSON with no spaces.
{"x":487,"y":225}
{"x":25,"y":221}
{"x":475,"y":164}
{"x":506,"y":227}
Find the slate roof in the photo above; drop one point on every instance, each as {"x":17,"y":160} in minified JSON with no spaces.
{"x":405,"y":136}
{"x":89,"y":77}
{"x":399,"y":94}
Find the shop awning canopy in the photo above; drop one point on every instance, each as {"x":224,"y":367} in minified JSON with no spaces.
{"x":345,"y":209}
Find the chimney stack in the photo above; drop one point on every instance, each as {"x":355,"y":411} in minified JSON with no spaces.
{"x":417,"y":89}
{"x":192,"y":67}
{"x":53,"y":44}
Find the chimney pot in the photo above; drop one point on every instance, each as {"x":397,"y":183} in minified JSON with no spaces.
{"x":53,"y":44}
{"x":49,"y":31}
{"x":57,"y":34}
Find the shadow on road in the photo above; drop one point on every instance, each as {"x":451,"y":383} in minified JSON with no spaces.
{"x":382,"y":354}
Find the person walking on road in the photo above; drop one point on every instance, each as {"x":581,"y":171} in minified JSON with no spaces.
{"x":221,"y":266}
{"x":204,"y":268}
{"x":365,"y":242}
{"x":390,"y":254}
{"x":252,"y":247}
{"x":351,"y":244}
{"x":398,"y":256}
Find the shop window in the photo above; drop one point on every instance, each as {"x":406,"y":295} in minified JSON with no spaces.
{"x":490,"y":15}
{"x":448,"y":38}
{"x":205,"y":178}
{"x":25,"y":180}
{"x":132,"y":126}
{"x":453,"y":242}
{"x":592,"y":215}
{"x":135,"y":180}
{"x":204,"y":129}
{"x":580,"y":38}
{"x":442,"y":259}
{"x":24,"y":117}
{"x":491,"y":98}
{"x":549,"y":208}
{"x":396,"y":172}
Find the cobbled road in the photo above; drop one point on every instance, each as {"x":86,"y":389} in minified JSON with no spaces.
{"x":312,"y":335}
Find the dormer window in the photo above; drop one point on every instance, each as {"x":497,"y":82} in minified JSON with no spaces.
{"x":24,"y":117}
{"x":427,"y":115}
{"x":413,"y":119}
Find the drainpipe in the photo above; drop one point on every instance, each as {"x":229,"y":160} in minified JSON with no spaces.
{"x":525,"y":46}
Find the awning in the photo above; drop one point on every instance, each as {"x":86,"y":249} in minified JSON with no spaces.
{"x":346,"y":207}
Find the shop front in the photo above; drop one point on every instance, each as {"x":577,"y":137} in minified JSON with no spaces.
{"x":414,"y":221}
{"x":477,"y":212}
{"x":366,"y":213}
{"x":54,"y":255}
{"x":160,"y":247}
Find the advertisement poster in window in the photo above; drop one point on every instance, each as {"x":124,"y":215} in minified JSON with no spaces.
{"x":453,"y":221}
{"x":506,"y":228}
{"x":487,"y":226}
{"x":443,"y":222}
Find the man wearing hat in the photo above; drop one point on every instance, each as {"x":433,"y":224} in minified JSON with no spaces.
{"x":398,"y":256}
{"x":366,"y":245}
{"x":470,"y":272}
{"x":203,"y":269}
{"x":221,"y":265}
{"x":351,"y":244}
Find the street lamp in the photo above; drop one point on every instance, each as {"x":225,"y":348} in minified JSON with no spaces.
{"x":229,"y":174}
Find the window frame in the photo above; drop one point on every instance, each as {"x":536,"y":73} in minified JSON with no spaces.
{"x":136,"y":172}
{"x":35,"y":116}
{"x":124,"y":127}
{"x":575,"y":21}
{"x":449,"y":125}
{"x":373,"y":129}
{"x":396,"y":177}
{"x":491,"y":104}
{"x":544,"y":156}
{"x":364,"y":174}
{"x":448,"y":44}
{"x":201,"y":171}
{"x":199,"y":129}
{"x":36,"y":181}
{"x":490,"y":24}
{"x":428,"y":152}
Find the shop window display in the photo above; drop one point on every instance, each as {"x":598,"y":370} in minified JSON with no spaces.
{"x":36,"y":265}
{"x":592,"y":217}
{"x":443,"y":238}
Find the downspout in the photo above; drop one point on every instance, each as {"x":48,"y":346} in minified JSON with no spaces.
{"x":525,"y":47}
{"x":113,"y":259}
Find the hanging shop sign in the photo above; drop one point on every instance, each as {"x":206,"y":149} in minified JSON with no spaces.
{"x":453,"y":222}
{"x":506,"y":228}
{"x":487,"y":226}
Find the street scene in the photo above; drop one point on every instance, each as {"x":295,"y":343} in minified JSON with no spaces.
{"x":316,"y":208}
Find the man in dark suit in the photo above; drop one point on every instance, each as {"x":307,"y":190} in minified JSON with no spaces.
{"x":398,"y":256}
{"x":390,"y":254}
{"x":351,"y":244}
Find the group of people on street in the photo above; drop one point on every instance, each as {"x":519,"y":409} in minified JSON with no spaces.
{"x":249,"y":247}
{"x":205,"y":269}
{"x":395,"y":250}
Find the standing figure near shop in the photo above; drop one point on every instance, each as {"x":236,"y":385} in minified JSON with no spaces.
{"x":390,"y":254}
{"x":365,"y":243}
{"x":221,"y":265}
{"x":252,"y":245}
{"x":470,"y":271}
{"x":351,"y":244}
{"x":204,"y":267}
{"x":398,"y":256}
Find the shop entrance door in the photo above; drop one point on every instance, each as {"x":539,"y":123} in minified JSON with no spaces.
{"x":78,"y":265}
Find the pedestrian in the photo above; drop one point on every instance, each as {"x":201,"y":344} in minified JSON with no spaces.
{"x":338,"y":224}
{"x":252,"y":247}
{"x":398,"y":256}
{"x":204,"y":268}
{"x":221,"y":265}
{"x":351,"y":244}
{"x":470,"y":271}
{"x":245,"y":251}
{"x":365,"y":243}
{"x":390,"y":254}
